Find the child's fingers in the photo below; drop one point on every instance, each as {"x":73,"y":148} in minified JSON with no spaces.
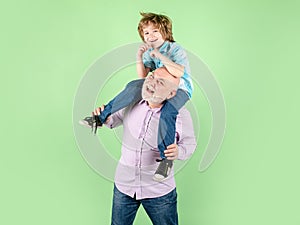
{"x":143,"y":47}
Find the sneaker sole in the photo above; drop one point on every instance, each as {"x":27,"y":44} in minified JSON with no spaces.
{"x":160,"y":178}
{"x":84,"y":123}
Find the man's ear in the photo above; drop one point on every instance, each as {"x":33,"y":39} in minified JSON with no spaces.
{"x":172,"y":94}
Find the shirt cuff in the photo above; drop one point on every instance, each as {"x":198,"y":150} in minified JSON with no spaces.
{"x":109,"y":124}
{"x":181,"y":153}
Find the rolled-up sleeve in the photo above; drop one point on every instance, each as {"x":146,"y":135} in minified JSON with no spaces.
{"x":148,"y":61}
{"x":185,"y":135}
{"x":115,"y":119}
{"x":179,"y":56}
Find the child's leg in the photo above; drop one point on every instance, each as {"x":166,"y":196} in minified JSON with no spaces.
{"x":167,"y":122}
{"x":131,"y":94}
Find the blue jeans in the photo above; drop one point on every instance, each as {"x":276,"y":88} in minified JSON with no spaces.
{"x":161,"y":210}
{"x":130,"y":95}
{"x":167,"y":123}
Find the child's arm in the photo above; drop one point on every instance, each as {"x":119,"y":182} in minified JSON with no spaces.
{"x":142,"y":71}
{"x":173,"y":68}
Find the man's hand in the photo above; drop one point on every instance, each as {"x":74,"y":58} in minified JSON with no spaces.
{"x":98,"y":112}
{"x":171,"y":152}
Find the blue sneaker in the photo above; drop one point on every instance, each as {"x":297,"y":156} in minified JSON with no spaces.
{"x":163,"y":170}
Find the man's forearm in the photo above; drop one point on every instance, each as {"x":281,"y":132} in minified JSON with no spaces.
{"x":115,"y":120}
{"x":187,"y":140}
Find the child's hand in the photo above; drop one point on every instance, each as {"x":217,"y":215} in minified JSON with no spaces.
{"x":143,"y":48}
{"x":155,"y":54}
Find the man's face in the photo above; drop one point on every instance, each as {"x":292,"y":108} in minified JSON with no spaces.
{"x":152,"y":36}
{"x":158,"y":87}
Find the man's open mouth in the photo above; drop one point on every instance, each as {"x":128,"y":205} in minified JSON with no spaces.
{"x":150,"y":89}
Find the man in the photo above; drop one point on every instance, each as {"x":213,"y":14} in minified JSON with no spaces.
{"x":133,"y":179}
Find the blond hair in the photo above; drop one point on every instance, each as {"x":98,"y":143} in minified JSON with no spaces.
{"x":159,"y":21}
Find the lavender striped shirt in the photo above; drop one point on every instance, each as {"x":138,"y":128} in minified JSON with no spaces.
{"x":137,"y":164}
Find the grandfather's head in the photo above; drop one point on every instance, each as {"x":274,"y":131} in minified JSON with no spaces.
{"x":159,"y":86}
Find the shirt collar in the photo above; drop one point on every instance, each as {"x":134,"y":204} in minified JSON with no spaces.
{"x":145,"y":104}
{"x":162,"y":47}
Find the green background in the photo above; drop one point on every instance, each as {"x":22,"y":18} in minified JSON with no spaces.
{"x":252,"y":47}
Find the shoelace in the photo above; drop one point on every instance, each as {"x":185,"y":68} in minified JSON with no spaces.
{"x":96,"y":122}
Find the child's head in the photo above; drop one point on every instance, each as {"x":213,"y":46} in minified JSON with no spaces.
{"x":161,"y":22}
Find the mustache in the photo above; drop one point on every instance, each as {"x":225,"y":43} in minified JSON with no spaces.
{"x":149,"y":94}
{"x":158,"y":97}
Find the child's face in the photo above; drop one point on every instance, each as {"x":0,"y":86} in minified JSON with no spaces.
{"x":152,"y":36}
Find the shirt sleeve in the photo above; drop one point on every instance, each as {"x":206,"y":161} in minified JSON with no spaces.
{"x":148,"y":61}
{"x":185,"y":136}
{"x":179,"y":56}
{"x":116,"y":119}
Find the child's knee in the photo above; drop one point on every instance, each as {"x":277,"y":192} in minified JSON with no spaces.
{"x":135,"y":83}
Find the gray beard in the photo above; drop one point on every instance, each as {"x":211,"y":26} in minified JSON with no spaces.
{"x":155,"y":99}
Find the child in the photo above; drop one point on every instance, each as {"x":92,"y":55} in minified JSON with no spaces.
{"x":159,"y":49}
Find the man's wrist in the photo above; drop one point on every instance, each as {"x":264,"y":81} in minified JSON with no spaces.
{"x":180,"y":155}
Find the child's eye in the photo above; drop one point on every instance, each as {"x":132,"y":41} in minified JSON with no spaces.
{"x":146,"y":33}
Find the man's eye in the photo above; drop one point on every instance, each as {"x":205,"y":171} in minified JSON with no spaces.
{"x":160,"y":82}
{"x":146,"y":33}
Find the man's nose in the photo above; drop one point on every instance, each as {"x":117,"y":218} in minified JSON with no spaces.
{"x":153,"y":83}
